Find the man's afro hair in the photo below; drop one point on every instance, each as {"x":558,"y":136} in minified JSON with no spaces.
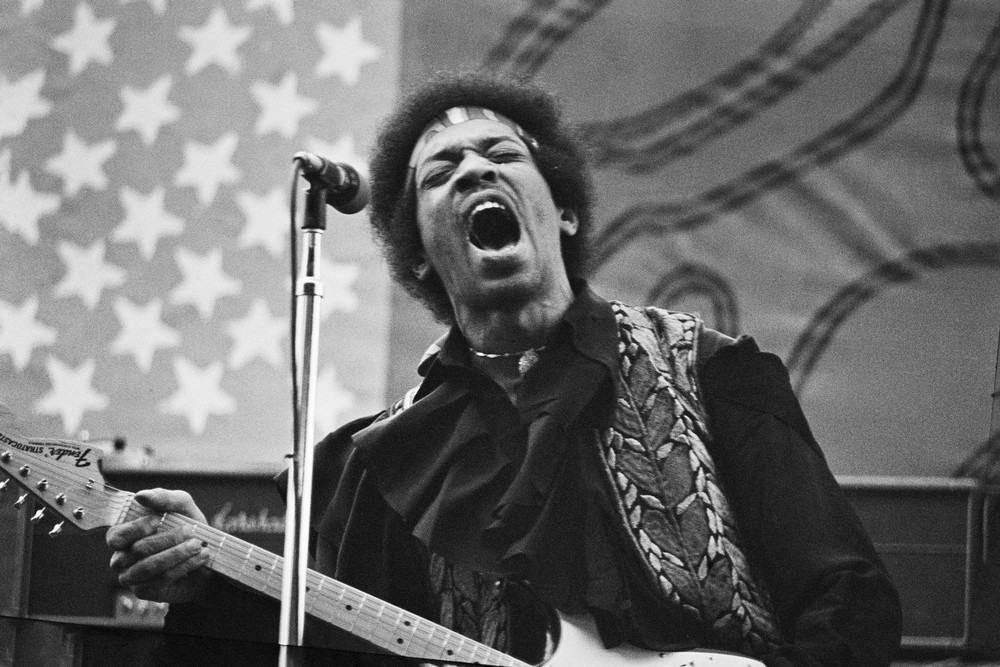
{"x":561,"y":157}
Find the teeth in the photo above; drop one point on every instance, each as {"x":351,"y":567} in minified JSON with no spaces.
{"x":486,"y":205}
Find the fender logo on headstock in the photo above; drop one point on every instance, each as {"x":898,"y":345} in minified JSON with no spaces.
{"x":54,"y":450}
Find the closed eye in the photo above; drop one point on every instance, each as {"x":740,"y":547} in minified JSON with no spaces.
{"x":505,"y":156}
{"x":437,"y":176}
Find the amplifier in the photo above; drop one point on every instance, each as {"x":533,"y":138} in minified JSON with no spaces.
{"x":938,"y":537}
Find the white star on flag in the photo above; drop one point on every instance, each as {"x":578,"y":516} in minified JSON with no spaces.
{"x":281,"y":8}
{"x":258,"y":334}
{"x":21,"y":206}
{"x":345,"y":51}
{"x":266,"y":220}
{"x":146,"y":220}
{"x":20,"y":101}
{"x":21,"y":332}
{"x":81,"y":164}
{"x":87,"y":41}
{"x":336,"y":400}
{"x":214,"y":42}
{"x":207,"y":166}
{"x":145,"y":174}
{"x":147,"y":111}
{"x":72,"y":394}
{"x":143,"y":332}
{"x":281,"y":107}
{"x":87,"y":274}
{"x":204,"y":281}
{"x":198,"y":394}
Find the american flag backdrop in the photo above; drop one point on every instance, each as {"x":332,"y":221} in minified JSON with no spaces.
{"x":822,"y":175}
{"x":145,"y":166}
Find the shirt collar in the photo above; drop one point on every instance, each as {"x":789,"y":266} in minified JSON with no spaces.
{"x":589,"y":325}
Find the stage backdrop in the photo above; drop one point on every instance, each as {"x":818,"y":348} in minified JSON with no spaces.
{"x":819,"y":174}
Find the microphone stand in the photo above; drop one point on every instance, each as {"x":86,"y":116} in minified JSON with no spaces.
{"x":308,"y":292}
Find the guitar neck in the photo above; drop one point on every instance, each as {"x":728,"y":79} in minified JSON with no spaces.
{"x":383,"y":625}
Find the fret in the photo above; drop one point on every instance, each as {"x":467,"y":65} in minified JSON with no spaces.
{"x":275,"y":563}
{"x":451,"y":643}
{"x":326,"y":600}
{"x":409,"y":629}
{"x":348,"y":606}
{"x":313,"y":590}
{"x":475,"y":652}
{"x":127,"y":513}
{"x":390,"y":633}
{"x":360,"y":616}
{"x":423,"y":634}
{"x":222,"y":542}
{"x":458,"y":649}
{"x":246,"y":562}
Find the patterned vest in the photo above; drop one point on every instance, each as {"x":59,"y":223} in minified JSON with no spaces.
{"x":667,"y":493}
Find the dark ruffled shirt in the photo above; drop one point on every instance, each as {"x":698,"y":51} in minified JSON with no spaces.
{"x":513,"y":490}
{"x":504,"y":488}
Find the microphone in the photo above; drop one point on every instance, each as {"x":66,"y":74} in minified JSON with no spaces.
{"x":346,"y":189}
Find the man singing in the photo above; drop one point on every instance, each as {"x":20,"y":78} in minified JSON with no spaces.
{"x":625,"y":466}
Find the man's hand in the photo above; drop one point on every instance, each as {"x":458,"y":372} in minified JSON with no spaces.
{"x":161,"y":565}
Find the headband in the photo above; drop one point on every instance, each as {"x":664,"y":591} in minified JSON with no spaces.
{"x":456,"y":115}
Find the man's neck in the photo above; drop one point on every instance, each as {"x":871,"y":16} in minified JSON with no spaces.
{"x":514,"y":329}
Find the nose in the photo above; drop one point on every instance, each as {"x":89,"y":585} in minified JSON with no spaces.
{"x":473,"y":170}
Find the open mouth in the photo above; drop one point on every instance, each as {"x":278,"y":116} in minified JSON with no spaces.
{"x":492,"y":226}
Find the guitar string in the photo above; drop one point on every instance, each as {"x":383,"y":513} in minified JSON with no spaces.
{"x":122,"y":504}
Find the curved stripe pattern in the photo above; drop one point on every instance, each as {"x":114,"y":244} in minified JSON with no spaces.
{"x":532,"y":36}
{"x":980,"y":165}
{"x":659,"y":218}
{"x":696,"y":280}
{"x":816,"y":338}
{"x":741,"y":95}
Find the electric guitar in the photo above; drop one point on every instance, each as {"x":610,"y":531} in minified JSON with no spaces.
{"x":64,"y":475}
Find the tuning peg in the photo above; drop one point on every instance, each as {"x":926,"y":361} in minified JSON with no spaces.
{"x":3,"y":485}
{"x":37,"y":516}
{"x":56,"y":529}
{"x":20,"y":501}
{"x":24,"y":470}
{"x":5,"y":457}
{"x":42,"y":484}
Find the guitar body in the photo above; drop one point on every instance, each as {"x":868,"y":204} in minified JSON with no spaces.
{"x":580,"y":646}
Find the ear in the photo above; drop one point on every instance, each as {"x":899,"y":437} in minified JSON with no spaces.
{"x":568,"y":222}
{"x":422,"y":269}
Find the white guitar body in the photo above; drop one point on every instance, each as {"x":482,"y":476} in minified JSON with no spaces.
{"x":64,"y":475}
{"x":580,"y":646}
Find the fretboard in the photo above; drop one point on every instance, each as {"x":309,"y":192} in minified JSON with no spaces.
{"x":383,"y":625}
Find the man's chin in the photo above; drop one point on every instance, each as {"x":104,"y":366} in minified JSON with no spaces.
{"x":506,"y":292}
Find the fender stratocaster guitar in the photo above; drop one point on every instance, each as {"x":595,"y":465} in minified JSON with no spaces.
{"x":64,"y":475}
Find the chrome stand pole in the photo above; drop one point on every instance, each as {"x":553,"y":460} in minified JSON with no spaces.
{"x":308,"y":295}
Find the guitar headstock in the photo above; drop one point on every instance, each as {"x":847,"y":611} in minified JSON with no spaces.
{"x":62,"y":474}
